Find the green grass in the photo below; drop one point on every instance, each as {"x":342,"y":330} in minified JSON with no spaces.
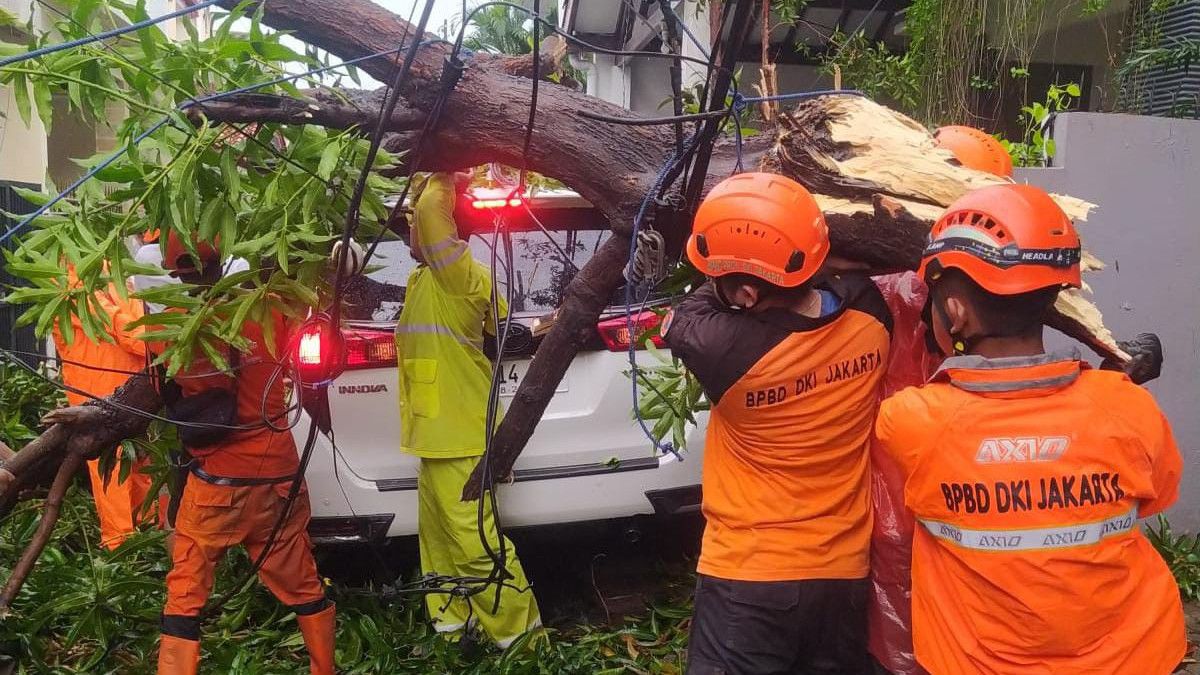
{"x":88,"y":610}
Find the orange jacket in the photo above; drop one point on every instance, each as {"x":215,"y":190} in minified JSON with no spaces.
{"x":259,"y":452}
{"x":125,"y":353}
{"x":786,"y":495}
{"x":1027,"y":477}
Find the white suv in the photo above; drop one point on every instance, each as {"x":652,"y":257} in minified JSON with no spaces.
{"x":588,"y":458}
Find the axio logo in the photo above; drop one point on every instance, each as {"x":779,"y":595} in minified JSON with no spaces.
{"x":363,"y":389}
{"x":1022,"y":449}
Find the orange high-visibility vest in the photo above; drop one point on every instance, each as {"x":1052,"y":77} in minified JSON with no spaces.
{"x":1027,"y":477}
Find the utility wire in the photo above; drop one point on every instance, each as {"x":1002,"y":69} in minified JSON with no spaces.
{"x":131,"y":28}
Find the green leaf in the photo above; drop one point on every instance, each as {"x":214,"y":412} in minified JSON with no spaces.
{"x":229,"y":174}
{"x":210,"y":218}
{"x":20,"y":90}
{"x":329,"y":160}
{"x":1073,"y":89}
{"x":47,"y":316}
{"x":45,"y":103}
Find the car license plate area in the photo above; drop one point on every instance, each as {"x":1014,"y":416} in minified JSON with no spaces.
{"x":513,"y":372}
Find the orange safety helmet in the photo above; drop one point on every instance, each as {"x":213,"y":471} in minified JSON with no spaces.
{"x":975,"y":149}
{"x":1009,"y":239}
{"x":176,"y":251}
{"x":761,"y":224}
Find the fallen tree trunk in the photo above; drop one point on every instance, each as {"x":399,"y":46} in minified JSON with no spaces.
{"x":877,"y":174}
{"x":75,"y":435}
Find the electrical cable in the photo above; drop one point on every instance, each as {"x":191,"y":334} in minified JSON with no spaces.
{"x":46,"y":358}
{"x":133,"y":27}
{"x":533,"y":97}
{"x":577,"y":41}
{"x":110,"y":159}
{"x":352,"y":210}
{"x":561,"y":252}
{"x":101,"y":400}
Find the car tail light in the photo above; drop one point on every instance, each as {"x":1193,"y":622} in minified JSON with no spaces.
{"x":615,"y":332}
{"x":318,"y":351}
{"x":370,"y":349}
{"x":481,"y":200}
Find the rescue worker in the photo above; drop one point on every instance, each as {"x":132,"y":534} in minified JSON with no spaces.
{"x":99,"y":368}
{"x":975,"y":149}
{"x":792,"y":361}
{"x":1028,"y":471}
{"x":445,"y":383}
{"x":236,"y":492}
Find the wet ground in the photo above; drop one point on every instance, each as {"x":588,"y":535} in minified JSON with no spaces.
{"x":593,"y":572}
{"x":1192,"y":663}
{"x":600,"y":573}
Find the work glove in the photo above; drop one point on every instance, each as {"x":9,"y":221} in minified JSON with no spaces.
{"x":1146,"y":358}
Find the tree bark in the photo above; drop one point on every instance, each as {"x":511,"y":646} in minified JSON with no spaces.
{"x":877,"y":175}
{"x":45,"y":528}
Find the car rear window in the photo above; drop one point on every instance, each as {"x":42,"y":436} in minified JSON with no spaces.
{"x":541,"y":270}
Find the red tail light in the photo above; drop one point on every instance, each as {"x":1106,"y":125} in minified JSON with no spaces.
{"x":318,"y":351}
{"x":494,"y":199}
{"x":370,"y":349}
{"x":615,"y":332}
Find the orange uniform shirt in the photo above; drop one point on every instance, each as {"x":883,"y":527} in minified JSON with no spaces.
{"x":125,"y":353}
{"x":786,"y":495}
{"x":1027,"y":477}
{"x":260,"y":452}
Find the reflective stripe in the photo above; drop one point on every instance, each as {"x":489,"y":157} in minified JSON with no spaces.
{"x":440,"y":246}
{"x":1069,"y":536}
{"x":435,"y":329}
{"x":975,"y":362}
{"x":449,"y":260}
{"x":1018,"y":385}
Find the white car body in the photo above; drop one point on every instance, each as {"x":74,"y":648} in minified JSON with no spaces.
{"x":587,"y":460}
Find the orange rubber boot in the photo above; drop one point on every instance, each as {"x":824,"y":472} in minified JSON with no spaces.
{"x":318,"y":630}
{"x":178,"y":656}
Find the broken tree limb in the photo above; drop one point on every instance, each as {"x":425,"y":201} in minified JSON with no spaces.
{"x":45,"y":528}
{"x":574,"y":327}
{"x":327,"y":112}
{"x":880,"y":173}
{"x":876,"y":173}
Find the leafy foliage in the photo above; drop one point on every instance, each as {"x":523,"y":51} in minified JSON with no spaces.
{"x":1036,"y":146}
{"x":270,"y":194}
{"x":1182,"y":553}
{"x":24,"y":398}
{"x":873,"y":69}
{"x":669,"y":397}
{"x":88,"y":610}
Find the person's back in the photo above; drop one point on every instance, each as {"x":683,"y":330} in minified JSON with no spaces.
{"x":785,"y":460}
{"x":1028,"y":471}
{"x":1028,"y":482}
{"x":96,"y":369}
{"x":257,"y":451}
{"x":792,"y":363}
{"x":450,"y":309}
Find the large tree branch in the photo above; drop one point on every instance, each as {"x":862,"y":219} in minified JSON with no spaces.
{"x":326,"y":111}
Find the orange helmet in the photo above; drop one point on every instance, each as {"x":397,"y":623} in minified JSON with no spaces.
{"x":178,"y":259}
{"x":761,"y":224}
{"x":1009,"y":239}
{"x":975,"y":149}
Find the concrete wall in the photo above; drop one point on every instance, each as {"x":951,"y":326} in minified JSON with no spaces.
{"x":22,"y":148}
{"x":1144,"y":175}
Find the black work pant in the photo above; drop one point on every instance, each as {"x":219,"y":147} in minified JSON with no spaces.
{"x":779,"y":627}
